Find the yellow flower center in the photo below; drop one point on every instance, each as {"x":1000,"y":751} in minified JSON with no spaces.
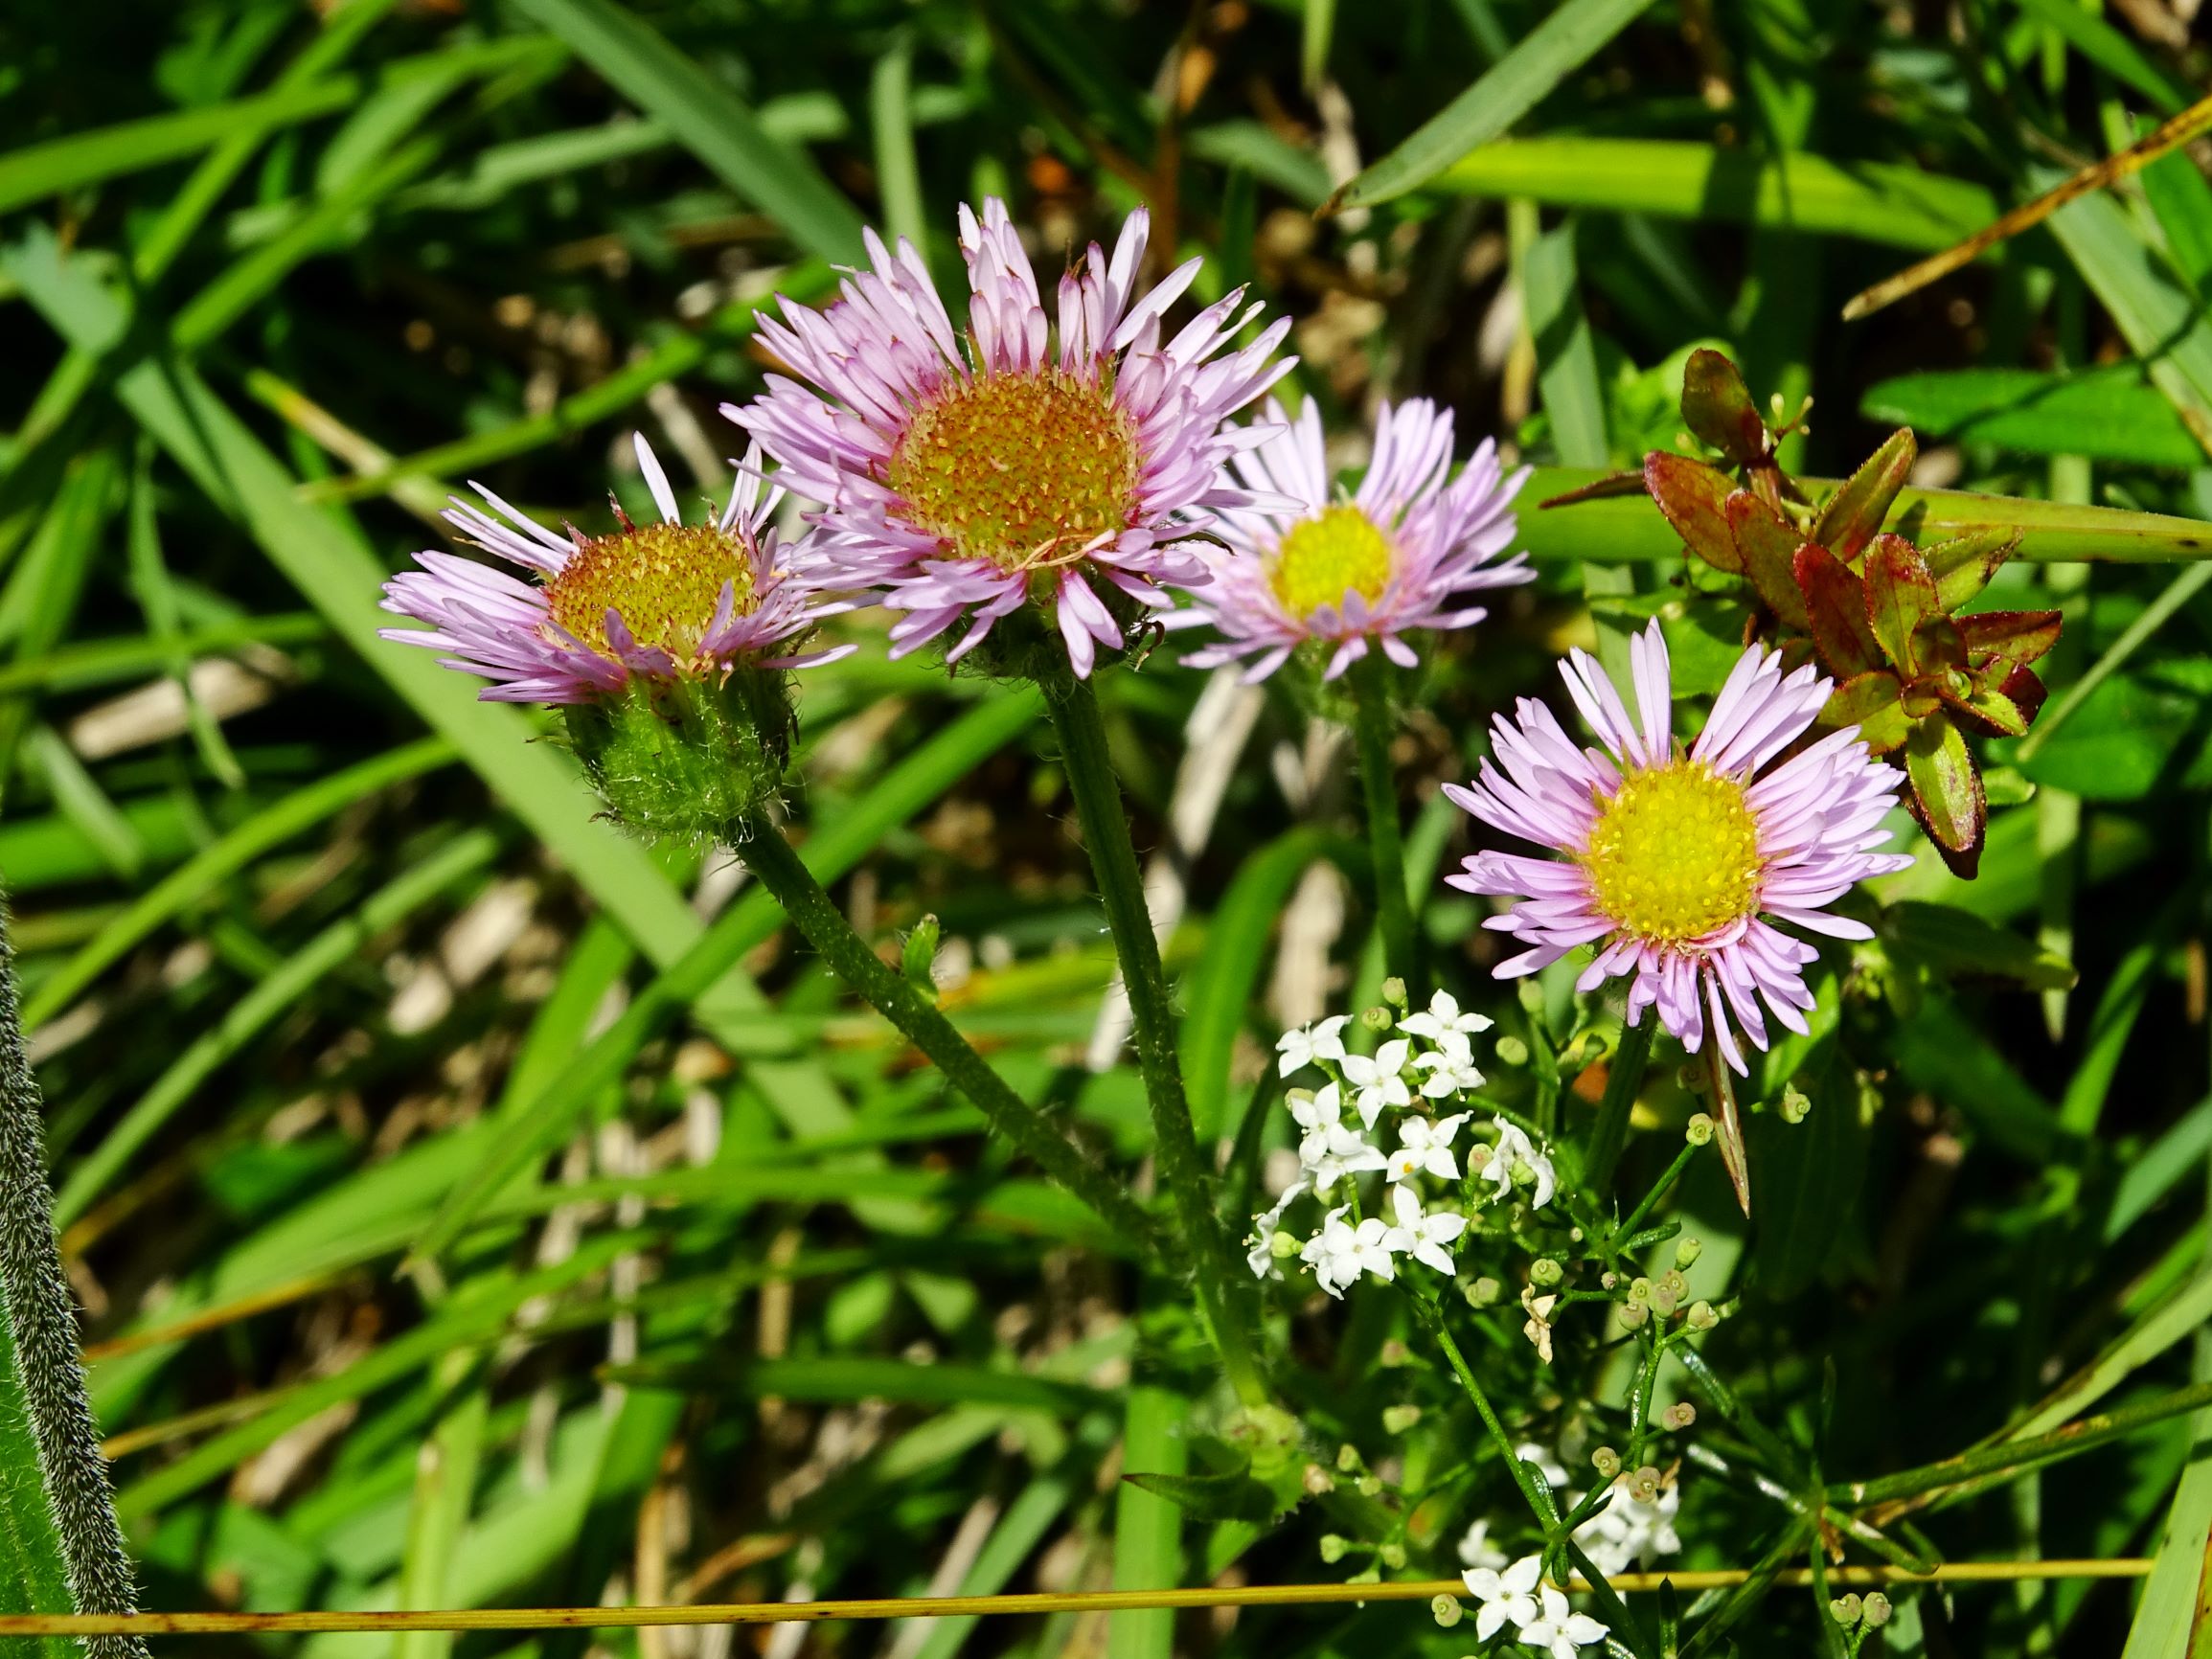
{"x":1322,"y":559}
{"x":1674,"y":853}
{"x":1020,"y":469}
{"x":666,"y":581}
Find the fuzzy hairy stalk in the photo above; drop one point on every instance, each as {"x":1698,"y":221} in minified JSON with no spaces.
{"x":42,"y":1326}
{"x":1113,"y":858}
{"x":815,"y":913}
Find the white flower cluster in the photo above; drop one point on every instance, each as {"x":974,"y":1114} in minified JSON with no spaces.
{"x":1625,"y":1535}
{"x":1538,"y":1614}
{"x":1430,"y":1061}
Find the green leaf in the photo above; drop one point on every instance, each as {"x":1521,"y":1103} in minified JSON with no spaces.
{"x":2111,"y":51}
{"x":1851,"y":517}
{"x":2113,"y":413}
{"x":1216,"y":1497}
{"x":1694,"y":499}
{"x":1963,"y":566}
{"x":1945,"y":785}
{"x":1874,"y":201}
{"x":1900,"y":598}
{"x":1147,"y":1528}
{"x":709,"y":119}
{"x":1718,"y":409}
{"x":1964,"y":945}
{"x":1870,"y":702}
{"x":1566,"y":40}
{"x":32,"y":1576}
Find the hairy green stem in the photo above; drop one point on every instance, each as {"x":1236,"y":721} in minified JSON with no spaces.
{"x":42,"y":1330}
{"x":1385,"y":842}
{"x":785,"y":874}
{"x":1105,"y":833}
{"x":1623,"y":1079}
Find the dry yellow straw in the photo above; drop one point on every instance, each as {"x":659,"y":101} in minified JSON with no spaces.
{"x":945,"y":1606}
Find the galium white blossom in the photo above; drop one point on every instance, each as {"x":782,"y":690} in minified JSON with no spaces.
{"x":1475,"y":1550}
{"x":1504,"y":1598}
{"x":1425,"y":1146}
{"x":1450,"y":1067}
{"x":1426,"y":1235}
{"x":1340,"y":1252}
{"x":1513,"y":1146}
{"x":1261,"y":1256}
{"x":1443,"y":1016}
{"x":1380,"y":1078}
{"x":1336,"y":1151}
{"x":1626,"y":1535}
{"x":1560,"y":1630}
{"x":1303,"y":1047}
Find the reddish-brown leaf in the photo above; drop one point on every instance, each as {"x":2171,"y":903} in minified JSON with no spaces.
{"x":1947,"y":791}
{"x":1836,"y":611}
{"x":1611,"y":484}
{"x":1870,"y":702}
{"x":1717,"y":406}
{"x":1962,"y":567}
{"x":2017,"y":636}
{"x":1988,"y":710}
{"x":2027,"y":692}
{"x":1852,"y":517}
{"x":1899,"y":596}
{"x":1693,"y":496}
{"x":1767,"y":545}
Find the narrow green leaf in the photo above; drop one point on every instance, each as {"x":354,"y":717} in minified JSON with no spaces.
{"x":2107,"y":413}
{"x":1565,"y":40}
{"x":1147,"y":1529}
{"x":712,"y":122}
{"x":2111,"y":51}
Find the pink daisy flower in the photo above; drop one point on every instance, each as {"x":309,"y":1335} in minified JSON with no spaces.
{"x":970,"y":471}
{"x":664,"y":600}
{"x":1403,"y":551}
{"x":1679,"y":862}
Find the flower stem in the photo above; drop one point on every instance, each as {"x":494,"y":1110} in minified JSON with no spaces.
{"x":1105,"y":833}
{"x":41,"y":1319}
{"x":1385,"y":844}
{"x":1623,"y":1079}
{"x":1731,"y":1135}
{"x":782,"y":872}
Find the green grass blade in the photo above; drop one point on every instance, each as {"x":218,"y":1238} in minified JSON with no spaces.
{"x":1147,"y":1528}
{"x":1556,"y":48}
{"x":1019,"y":1531}
{"x":2161,"y":320}
{"x":711,"y":121}
{"x":1872,"y":201}
{"x":897,"y":168}
{"x":2107,"y":414}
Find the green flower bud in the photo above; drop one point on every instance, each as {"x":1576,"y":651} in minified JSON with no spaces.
{"x":919,"y":955}
{"x":1700,"y":1130}
{"x":1876,"y":1609}
{"x":1394,"y":992}
{"x":1639,"y":1290}
{"x":689,"y":759}
{"x":1446,"y":1611}
{"x":1545,"y":1273}
{"x":1794,"y":1105}
{"x":1701,"y":1316}
{"x":1674,"y":1284}
{"x":1664,"y":1299}
{"x":1318,"y":1481}
{"x":1606,"y":1462}
{"x":1511,"y":1051}
{"x":1333,"y":1546}
{"x":1348,"y":1459}
{"x":1634,"y":1313}
{"x":1679,"y":1416}
{"x":1609,"y":1280}
{"x":1378,"y":1019}
{"x":1484,"y":1293}
{"x":1687,"y":1250}
{"x":1368,"y":1485}
{"x":1282,"y":1245}
{"x":1397,"y":1419}
{"x":1392,"y":1556}
{"x":1844,"y":1610}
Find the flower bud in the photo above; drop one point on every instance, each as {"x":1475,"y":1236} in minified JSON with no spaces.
{"x":1397,"y":1419}
{"x":688,"y":759}
{"x":1844,"y":1610}
{"x":1378,"y":1019}
{"x":1318,"y":1481}
{"x":1368,"y":1485}
{"x":1479,"y":1157}
{"x":1679,"y":1416}
{"x":1876,"y":1608}
{"x":1687,"y":1250}
{"x":1639,"y":1290}
{"x":1348,"y":1459}
{"x":1692,"y":1076}
{"x":1606,"y":1462}
{"x":1634,"y":1313}
{"x":1664,"y":1300}
{"x":1392,"y":1556}
{"x":1700,"y":1130}
{"x":1794,"y":1105}
{"x":1609,"y":1280}
{"x":1333,"y":1545}
{"x":1530,"y":996}
{"x":1511,"y":1051}
{"x":1394,"y":992}
{"x":1282,"y":1245}
{"x":1673,"y":1283}
{"x":1446,"y":1611}
{"x":1700,"y":1316}
{"x":1484,"y":1293}
{"x":1644,"y":1485}
{"x":1545,"y":1273}
{"x":919,"y":955}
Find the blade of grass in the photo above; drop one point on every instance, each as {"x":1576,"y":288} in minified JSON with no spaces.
{"x":1147,"y":1528}
{"x":710,"y":121}
{"x":897,"y":168}
{"x":1566,"y":40}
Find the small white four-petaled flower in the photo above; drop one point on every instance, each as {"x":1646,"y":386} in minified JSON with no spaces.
{"x":1424,"y":1146}
{"x":1559,"y":1630}
{"x":1340,"y":1252}
{"x":1450,"y":1067}
{"x":1515,"y":1147}
{"x":1306,"y":1044}
{"x":1504,"y":1598}
{"x":1443,"y":1016}
{"x":1380,"y":1081}
{"x":1426,"y":1236}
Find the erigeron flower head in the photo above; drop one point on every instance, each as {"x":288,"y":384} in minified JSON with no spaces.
{"x":970,"y":471}
{"x":1406,"y":551}
{"x":660,"y":628}
{"x":1678,"y":862}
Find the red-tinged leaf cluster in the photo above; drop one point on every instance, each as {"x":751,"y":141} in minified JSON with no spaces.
{"x":1878,"y":613}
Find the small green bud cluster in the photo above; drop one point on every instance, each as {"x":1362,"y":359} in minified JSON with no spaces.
{"x":1394,"y":993}
{"x":1679,"y":1416}
{"x":1644,"y":1485}
{"x":1606,"y":1462}
{"x":1379,"y":1018}
{"x":1397,"y":1419}
{"x":1483,"y":1292}
{"x":1845,"y":1610}
{"x":1333,"y":1546}
{"x":1510,"y":1050}
{"x":1795,"y":1105}
{"x":1447,"y":1611}
{"x":1545,"y":1273}
{"x":1700,"y":1130}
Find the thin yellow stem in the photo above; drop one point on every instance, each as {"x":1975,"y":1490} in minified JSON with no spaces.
{"x":952,"y":1607}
